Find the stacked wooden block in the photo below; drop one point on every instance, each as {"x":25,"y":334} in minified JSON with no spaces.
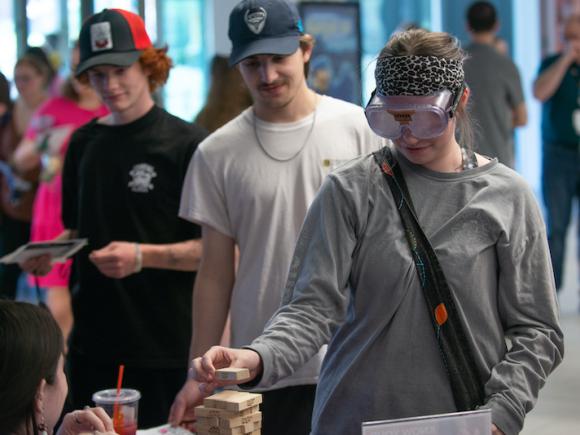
{"x":230,"y":412}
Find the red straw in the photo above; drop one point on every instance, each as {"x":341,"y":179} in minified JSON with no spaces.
{"x":116,"y":416}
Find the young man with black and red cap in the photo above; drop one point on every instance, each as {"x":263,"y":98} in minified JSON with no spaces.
{"x":122,"y":180}
{"x":260,"y":173}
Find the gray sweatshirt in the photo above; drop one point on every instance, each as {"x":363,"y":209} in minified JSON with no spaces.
{"x":353,"y":284}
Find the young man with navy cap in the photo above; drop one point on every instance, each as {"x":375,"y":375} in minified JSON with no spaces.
{"x":122,"y":180}
{"x":258,"y":174}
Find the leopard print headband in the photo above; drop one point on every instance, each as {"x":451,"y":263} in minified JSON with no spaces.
{"x":417,"y":75}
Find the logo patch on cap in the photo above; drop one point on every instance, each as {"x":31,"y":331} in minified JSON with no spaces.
{"x":256,"y":19}
{"x":101,"y":37}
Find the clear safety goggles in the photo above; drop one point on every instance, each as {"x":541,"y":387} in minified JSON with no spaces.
{"x":425,"y":116}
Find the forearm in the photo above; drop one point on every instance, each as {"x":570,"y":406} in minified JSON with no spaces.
{"x":211,"y":301}
{"x":520,"y":115}
{"x":183,"y":256}
{"x":26,"y":158}
{"x":528,"y":309}
{"x":548,"y":82}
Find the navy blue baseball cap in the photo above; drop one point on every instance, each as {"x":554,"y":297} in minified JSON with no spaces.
{"x":264,"y":27}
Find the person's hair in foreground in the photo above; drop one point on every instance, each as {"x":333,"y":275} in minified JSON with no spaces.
{"x":31,"y":344}
{"x":420,"y":42}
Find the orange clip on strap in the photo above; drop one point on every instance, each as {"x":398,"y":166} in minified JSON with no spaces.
{"x":441,"y":314}
{"x":387,"y":169}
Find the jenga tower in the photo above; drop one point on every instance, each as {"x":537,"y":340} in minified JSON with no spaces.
{"x":230,"y":412}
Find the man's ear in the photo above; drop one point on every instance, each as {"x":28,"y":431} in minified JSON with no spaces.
{"x":306,"y":51}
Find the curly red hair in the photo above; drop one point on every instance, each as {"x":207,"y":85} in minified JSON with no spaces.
{"x":157,"y":63}
{"x":154,"y":61}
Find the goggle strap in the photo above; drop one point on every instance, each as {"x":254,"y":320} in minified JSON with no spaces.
{"x":456,"y":100}
{"x":372,"y":96}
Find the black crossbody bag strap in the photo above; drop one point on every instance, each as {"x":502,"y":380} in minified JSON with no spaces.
{"x":467,"y":387}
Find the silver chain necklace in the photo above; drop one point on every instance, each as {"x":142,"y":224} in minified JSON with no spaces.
{"x":297,"y":152}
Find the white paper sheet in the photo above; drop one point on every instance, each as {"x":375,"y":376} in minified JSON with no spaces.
{"x":59,"y":250}
{"x":164,"y":430}
{"x":458,"y":423}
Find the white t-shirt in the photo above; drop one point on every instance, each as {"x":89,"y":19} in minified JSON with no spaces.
{"x":258,"y":193}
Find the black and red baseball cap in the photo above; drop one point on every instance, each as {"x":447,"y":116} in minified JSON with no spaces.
{"x":112,"y":37}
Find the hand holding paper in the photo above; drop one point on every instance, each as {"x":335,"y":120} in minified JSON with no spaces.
{"x":39,"y":266}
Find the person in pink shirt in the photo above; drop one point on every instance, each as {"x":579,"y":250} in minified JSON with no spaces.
{"x":45,"y":144}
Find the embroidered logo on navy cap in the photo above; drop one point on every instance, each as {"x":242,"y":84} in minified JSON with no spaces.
{"x":256,"y":19}
{"x":101,"y":37}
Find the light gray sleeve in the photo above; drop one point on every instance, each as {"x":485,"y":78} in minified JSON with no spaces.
{"x":202,"y":197}
{"x":317,"y":292}
{"x":529,"y":311}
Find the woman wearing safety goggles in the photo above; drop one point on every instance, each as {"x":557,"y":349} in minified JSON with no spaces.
{"x":416,"y":104}
{"x":359,"y":282}
{"x":425,"y":117}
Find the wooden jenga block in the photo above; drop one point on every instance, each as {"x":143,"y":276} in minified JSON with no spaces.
{"x":239,"y":421}
{"x":232,"y":400}
{"x":255,"y":432}
{"x":240,"y":430}
{"x":232,"y":374}
{"x":203,"y":411}
{"x":207,"y":421}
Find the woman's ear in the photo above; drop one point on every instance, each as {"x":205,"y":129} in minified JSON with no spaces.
{"x":465,"y":96}
{"x":40,"y":397}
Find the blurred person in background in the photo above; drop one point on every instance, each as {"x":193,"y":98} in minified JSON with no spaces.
{"x":558,"y":88}
{"x":32,"y":77}
{"x":17,"y":190}
{"x":7,"y":138}
{"x":51,"y":60}
{"x":5,"y":101}
{"x":227,"y":97}
{"x":496,"y":88}
{"x":44,"y":146}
